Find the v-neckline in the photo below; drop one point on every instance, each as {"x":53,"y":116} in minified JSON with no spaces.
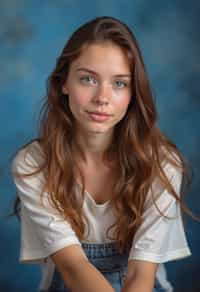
{"x":92,"y":199}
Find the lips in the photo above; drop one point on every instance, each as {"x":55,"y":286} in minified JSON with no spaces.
{"x":98,"y":116}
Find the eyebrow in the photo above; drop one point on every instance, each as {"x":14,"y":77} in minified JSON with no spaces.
{"x":95,"y":73}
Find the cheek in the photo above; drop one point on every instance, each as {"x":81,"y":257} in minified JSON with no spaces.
{"x":77,"y":98}
{"x":123,"y":102}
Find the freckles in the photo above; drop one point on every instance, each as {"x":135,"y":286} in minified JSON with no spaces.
{"x":79,"y":98}
{"x":123,"y":101}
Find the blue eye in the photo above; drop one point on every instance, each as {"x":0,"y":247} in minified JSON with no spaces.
{"x":88,"y":79}
{"x":120,"y":84}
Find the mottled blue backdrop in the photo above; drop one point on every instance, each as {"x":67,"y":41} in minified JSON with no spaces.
{"x":32,"y":34}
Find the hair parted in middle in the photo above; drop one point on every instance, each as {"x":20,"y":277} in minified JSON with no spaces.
{"x":139,"y":148}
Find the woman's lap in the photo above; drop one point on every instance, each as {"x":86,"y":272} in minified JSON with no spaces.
{"x":106,"y":258}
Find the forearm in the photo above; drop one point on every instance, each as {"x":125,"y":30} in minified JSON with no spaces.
{"x":86,"y":278}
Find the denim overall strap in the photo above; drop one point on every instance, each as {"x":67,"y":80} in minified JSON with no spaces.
{"x":107,"y":259}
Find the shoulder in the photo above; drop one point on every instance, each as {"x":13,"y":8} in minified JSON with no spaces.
{"x":171,"y":162}
{"x":27,"y":171}
{"x":28,"y":157}
{"x":169,"y":176}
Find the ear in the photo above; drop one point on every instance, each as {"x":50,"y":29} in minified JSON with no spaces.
{"x":64,"y":88}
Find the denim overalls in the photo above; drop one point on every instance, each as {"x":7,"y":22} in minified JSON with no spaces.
{"x":107,"y":259}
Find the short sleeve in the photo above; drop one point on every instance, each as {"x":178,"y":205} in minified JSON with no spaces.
{"x":160,"y":239}
{"x":43,"y":230}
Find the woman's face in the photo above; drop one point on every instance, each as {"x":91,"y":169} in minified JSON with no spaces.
{"x":99,"y":87}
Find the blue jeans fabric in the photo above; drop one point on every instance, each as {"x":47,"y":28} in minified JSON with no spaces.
{"x":107,"y":259}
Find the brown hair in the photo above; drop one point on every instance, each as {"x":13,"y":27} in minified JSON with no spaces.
{"x":139,"y":158}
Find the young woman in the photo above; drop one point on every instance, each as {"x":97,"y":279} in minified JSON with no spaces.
{"x":100,"y":190}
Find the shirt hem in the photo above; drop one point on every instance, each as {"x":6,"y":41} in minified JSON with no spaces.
{"x":174,"y":255}
{"x":37,"y":256}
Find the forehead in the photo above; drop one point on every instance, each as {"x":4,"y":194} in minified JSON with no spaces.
{"x":104,"y":56}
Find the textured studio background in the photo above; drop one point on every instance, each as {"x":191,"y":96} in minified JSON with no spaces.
{"x":32,"y":34}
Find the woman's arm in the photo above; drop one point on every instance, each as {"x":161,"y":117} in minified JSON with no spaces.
{"x":140,"y":276}
{"x":77,"y":272}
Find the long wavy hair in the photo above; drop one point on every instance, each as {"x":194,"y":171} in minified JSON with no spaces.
{"x":138,"y":148}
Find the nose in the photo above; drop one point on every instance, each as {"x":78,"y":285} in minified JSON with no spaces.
{"x":103,"y":95}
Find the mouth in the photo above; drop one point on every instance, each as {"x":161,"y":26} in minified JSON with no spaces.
{"x":104,"y":114}
{"x":98,"y":116}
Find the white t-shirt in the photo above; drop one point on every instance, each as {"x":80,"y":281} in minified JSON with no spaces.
{"x":44,"y":231}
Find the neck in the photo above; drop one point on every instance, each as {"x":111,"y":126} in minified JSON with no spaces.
{"x":93,"y":146}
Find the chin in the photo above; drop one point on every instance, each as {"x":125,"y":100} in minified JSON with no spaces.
{"x":99,"y":131}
